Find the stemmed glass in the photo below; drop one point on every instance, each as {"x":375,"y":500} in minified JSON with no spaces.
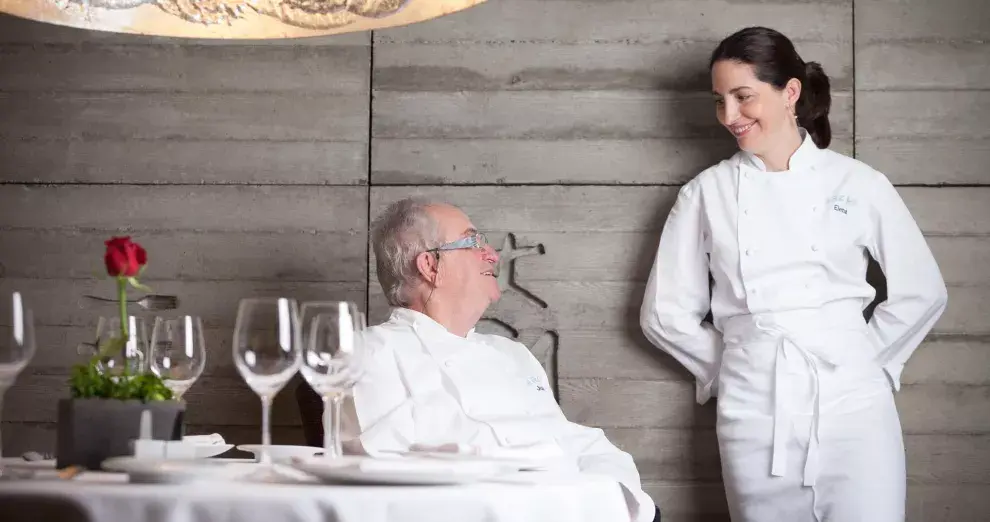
{"x":267,"y":353}
{"x":178,"y":352}
{"x":131,"y":359}
{"x":332,"y":360}
{"x":17,"y":346}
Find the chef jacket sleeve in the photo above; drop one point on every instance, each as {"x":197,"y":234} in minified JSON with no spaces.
{"x":916,"y":293}
{"x":593,"y":453}
{"x":677,"y":294}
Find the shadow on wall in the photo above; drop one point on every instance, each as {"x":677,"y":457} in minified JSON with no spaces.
{"x":876,"y":279}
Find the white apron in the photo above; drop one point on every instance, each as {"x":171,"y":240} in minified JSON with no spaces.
{"x":807,"y":426}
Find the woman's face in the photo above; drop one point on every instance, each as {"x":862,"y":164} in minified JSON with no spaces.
{"x":756,"y":113}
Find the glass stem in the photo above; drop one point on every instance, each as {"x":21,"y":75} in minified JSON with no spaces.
{"x":266,"y":430}
{"x":327,"y":422}
{"x":336,"y":450}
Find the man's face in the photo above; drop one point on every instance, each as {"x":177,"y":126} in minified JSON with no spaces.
{"x":465,"y":275}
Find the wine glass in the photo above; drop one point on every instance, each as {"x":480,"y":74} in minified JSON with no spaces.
{"x":17,"y":345}
{"x":267,"y":353}
{"x":332,"y":360}
{"x":178,"y":352}
{"x":131,"y":358}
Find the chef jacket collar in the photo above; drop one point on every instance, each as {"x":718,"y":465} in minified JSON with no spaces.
{"x":425,"y":326}
{"x":804,"y":158}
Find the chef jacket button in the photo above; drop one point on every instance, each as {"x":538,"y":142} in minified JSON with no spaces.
{"x":753,"y":291}
{"x":746,"y":175}
{"x":746,"y":212}
{"x":748,"y":252}
{"x":814,"y":209}
{"x":814,"y":248}
{"x":448,"y":364}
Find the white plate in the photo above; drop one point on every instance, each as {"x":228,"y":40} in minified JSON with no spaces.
{"x":150,"y":471}
{"x":19,"y":463}
{"x":282,"y":453}
{"x":515,"y":463}
{"x":204,"y":451}
{"x":365,"y":470}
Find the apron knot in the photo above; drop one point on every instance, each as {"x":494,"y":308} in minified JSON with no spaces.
{"x":781,"y":415}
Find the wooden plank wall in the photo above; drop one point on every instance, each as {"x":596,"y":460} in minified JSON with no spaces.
{"x":922,"y":105}
{"x":241,"y":168}
{"x":562,"y":125}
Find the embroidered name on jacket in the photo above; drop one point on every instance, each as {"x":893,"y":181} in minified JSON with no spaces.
{"x":842,"y":203}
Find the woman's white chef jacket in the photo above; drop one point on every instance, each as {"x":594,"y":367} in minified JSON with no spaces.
{"x":785,"y":241}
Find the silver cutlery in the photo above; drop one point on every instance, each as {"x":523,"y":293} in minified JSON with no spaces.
{"x":151,"y":302}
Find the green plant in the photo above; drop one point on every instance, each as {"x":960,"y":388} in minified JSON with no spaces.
{"x":124,"y":260}
{"x":86,"y":382}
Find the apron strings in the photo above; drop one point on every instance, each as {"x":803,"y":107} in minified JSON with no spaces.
{"x":781,"y":414}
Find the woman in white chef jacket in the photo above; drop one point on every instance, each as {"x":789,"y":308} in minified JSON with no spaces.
{"x":807,"y":426}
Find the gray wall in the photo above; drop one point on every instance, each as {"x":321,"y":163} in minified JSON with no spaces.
{"x":564,"y":127}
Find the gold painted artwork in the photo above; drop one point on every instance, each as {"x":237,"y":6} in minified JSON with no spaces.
{"x":248,"y":19}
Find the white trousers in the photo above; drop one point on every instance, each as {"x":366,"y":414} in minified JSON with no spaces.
{"x":807,"y":426}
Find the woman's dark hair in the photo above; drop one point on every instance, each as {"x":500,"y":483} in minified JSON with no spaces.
{"x":775,"y":61}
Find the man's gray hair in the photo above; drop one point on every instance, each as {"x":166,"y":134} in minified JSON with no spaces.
{"x":398,"y":235}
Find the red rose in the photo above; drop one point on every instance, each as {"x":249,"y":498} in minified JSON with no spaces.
{"x":124,"y":257}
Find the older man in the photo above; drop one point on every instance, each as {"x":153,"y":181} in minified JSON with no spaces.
{"x":432,"y":380}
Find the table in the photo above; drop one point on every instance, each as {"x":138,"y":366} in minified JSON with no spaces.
{"x":108,"y":497}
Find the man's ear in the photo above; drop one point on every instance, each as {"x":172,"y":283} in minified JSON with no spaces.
{"x":427,"y":264}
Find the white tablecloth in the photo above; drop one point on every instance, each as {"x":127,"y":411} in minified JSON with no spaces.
{"x":107,"y":497}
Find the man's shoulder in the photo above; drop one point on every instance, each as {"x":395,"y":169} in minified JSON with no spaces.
{"x":383,"y":339}
{"x":498,"y":341}
{"x":502,"y":344}
{"x":389,"y":327}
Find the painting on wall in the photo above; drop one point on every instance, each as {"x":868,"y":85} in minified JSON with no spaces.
{"x":233,"y":19}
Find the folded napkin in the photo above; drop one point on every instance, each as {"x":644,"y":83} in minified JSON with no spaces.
{"x":213,"y":439}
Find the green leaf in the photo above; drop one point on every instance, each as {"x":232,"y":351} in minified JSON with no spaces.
{"x":134,"y":282}
{"x":86,"y":381}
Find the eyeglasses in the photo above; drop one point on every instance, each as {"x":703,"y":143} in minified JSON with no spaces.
{"x":476,"y":240}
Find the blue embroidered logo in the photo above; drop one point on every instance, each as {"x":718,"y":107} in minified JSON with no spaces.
{"x":535,"y":381}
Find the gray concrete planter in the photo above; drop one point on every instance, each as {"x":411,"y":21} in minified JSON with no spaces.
{"x":90,"y":431}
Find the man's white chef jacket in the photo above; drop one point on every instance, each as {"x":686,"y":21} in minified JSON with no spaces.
{"x":425,"y":385}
